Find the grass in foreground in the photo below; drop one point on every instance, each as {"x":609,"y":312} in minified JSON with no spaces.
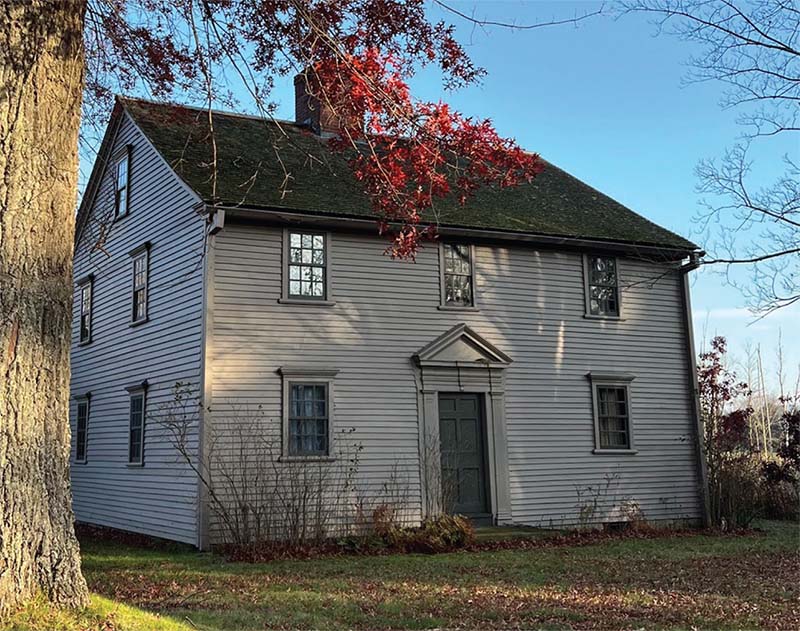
{"x":682,"y":582}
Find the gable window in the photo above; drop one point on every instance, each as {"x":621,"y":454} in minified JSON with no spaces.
{"x":81,"y":429}
{"x":86,"y":290}
{"x":602,"y":290}
{"x":612,"y":413}
{"x":136,"y":420}
{"x":307,"y":266}
{"x":457,"y":281}
{"x":141,"y":270}
{"x":307,"y":412}
{"x":121,"y":170}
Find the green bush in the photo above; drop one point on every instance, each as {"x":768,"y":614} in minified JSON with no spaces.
{"x":781,"y":500}
{"x":737,"y":492}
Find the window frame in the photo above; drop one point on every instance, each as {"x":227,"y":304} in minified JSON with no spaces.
{"x":443,"y":304}
{"x":612,"y":380}
{"x":587,"y":287}
{"x":286,"y":297}
{"x":141,"y":252}
{"x":307,"y":376}
{"x":83,"y":400}
{"x":87,"y":282}
{"x":122,"y":157}
{"x":136,"y":391}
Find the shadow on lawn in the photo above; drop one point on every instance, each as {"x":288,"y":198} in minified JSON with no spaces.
{"x":701,"y":580}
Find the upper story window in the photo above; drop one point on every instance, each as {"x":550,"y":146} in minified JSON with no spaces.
{"x":121,"y":185}
{"x":602,"y":286}
{"x":307,"y":267}
{"x":612,"y":412}
{"x":136,"y":420}
{"x":81,"y":429}
{"x":457,"y":280}
{"x":141,"y":270}
{"x":86,"y":288}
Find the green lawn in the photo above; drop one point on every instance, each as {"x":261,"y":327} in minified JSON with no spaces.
{"x":679,"y":582}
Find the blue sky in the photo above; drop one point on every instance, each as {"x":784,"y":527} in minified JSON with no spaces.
{"x":607,"y":101}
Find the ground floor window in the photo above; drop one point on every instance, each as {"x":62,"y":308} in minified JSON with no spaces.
{"x":307,"y":412}
{"x":611,"y":394}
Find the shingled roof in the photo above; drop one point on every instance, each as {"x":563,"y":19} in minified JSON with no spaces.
{"x":272,"y":165}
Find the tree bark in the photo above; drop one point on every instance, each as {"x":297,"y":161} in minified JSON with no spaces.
{"x":41,"y":79}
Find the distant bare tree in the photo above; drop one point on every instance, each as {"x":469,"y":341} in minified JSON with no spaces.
{"x":754,"y":49}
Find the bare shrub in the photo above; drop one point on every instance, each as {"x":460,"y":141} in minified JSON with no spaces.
{"x":257,"y":495}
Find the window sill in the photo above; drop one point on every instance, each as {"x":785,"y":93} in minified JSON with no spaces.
{"x":85,"y":342}
{"x":134,"y":323}
{"x":118,"y":218}
{"x":135,"y":465}
{"x":309,"y":459}
{"x":456,"y":308}
{"x":301,"y":301}
{"x":591,"y":316}
{"x":615,"y":452}
{"x":79,"y":461}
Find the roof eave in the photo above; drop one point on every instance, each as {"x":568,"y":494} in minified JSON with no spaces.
{"x":359,"y":222}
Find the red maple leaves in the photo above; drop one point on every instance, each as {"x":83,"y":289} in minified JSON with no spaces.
{"x":361,"y":54}
{"x":408,"y":154}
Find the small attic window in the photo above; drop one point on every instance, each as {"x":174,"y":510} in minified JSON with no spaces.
{"x":121,"y":184}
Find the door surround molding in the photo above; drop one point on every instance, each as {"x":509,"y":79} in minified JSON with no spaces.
{"x":461,"y":361}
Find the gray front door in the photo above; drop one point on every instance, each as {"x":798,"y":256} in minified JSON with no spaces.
{"x":462,"y":433}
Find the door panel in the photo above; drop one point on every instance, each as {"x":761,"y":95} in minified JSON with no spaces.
{"x":462,"y":433}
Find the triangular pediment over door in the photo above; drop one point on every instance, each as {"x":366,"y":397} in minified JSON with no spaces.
{"x":463,"y":347}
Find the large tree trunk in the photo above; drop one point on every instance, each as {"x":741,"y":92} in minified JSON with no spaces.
{"x":41,"y":76}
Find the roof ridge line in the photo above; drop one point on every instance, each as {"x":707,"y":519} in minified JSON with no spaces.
{"x":123,"y":99}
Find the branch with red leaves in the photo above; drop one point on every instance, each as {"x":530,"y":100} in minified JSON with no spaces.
{"x":359,"y":56}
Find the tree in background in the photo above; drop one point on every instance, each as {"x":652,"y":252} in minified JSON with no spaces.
{"x":748,"y":476}
{"x":61,"y":55}
{"x":753,"y":48}
{"x":725,"y":431}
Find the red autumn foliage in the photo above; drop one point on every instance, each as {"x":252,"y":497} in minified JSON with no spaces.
{"x":361,"y":53}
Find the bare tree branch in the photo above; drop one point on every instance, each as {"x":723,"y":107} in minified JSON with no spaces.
{"x":754,"y":50}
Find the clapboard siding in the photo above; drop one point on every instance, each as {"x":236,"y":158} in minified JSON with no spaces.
{"x":159,"y":498}
{"x":531,"y":307}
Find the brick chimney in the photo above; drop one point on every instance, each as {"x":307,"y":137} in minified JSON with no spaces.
{"x":308,"y":110}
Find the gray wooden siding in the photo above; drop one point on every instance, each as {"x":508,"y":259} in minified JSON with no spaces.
{"x":159,"y":498}
{"x":531,"y":306}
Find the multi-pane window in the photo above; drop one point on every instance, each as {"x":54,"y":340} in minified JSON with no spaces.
{"x":308,"y":419}
{"x":307,"y":266}
{"x":613,"y":417}
{"x":136,"y":428}
{"x":603,"y":292}
{"x":81,"y":428}
{"x":121,"y":187}
{"x":457,"y":275}
{"x":139,"y":305}
{"x":86,"y":312}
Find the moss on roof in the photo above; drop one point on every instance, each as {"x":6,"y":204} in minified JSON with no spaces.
{"x":265,"y":164}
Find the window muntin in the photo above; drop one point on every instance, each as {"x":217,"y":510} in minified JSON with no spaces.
{"x":603,"y":290}
{"x":613,"y":417}
{"x":140,"y":271}
{"x":136,"y":428}
{"x":307,"y":267}
{"x":81,"y":429}
{"x":308,"y":432}
{"x":121,"y":169}
{"x":86,"y":312}
{"x":458,"y":286}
